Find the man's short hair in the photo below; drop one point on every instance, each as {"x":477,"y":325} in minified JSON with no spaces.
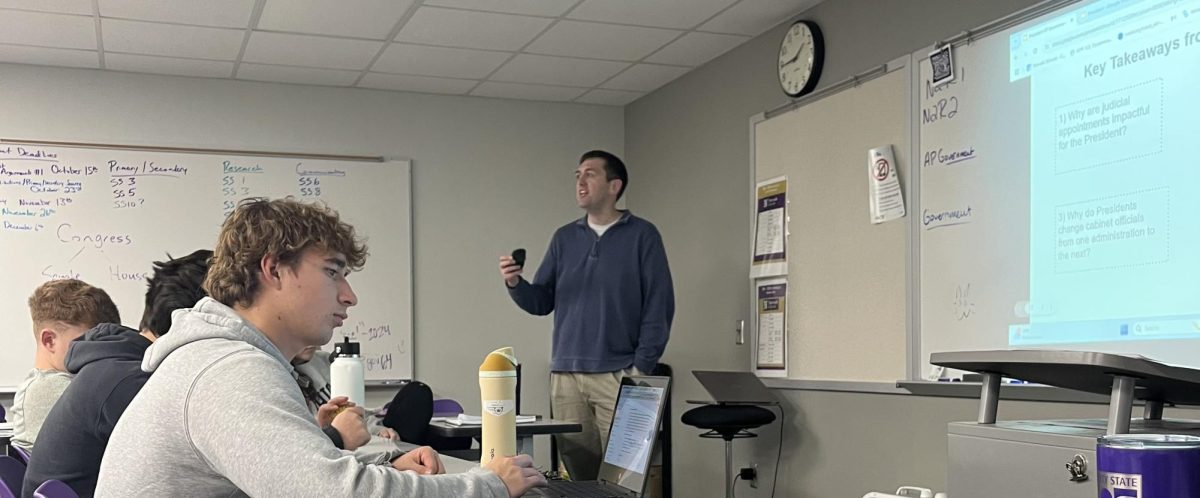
{"x":283,"y":228}
{"x":176,"y":284}
{"x":614,"y":168}
{"x":73,"y":302}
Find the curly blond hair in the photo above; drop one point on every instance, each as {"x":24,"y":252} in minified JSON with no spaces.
{"x":283,"y":228}
{"x":73,"y":302}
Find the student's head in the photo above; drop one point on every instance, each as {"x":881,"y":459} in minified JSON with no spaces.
{"x":176,"y":283}
{"x":62,"y":310}
{"x":600,"y":180}
{"x":288,"y":261}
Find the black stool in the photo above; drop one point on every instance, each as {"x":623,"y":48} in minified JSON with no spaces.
{"x":728,"y":422}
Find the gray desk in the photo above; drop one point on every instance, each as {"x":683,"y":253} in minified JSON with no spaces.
{"x":997,"y":459}
{"x":525,"y":432}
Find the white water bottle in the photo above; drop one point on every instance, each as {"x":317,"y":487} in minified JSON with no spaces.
{"x":498,"y":394}
{"x":346,"y":373}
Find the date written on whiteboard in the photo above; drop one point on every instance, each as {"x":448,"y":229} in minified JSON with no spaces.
{"x":944,"y":108}
{"x":369,"y":333}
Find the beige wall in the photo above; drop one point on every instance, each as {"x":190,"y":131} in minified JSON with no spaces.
{"x":489,"y":175}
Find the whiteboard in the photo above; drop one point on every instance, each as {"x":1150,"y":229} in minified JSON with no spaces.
{"x":974,"y":201}
{"x":103,"y":215}
{"x":1055,"y":198}
{"x":847,"y":314}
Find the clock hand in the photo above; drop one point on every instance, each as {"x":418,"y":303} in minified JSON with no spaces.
{"x":788,"y":63}
{"x":793,"y":59}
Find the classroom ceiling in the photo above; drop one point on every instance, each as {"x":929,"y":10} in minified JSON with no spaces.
{"x":592,"y":51}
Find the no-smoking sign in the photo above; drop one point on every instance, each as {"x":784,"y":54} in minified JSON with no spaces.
{"x":882,"y":169}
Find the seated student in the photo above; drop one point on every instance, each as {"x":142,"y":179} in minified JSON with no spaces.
{"x":312,"y":374}
{"x":62,"y":310}
{"x":222,"y":414}
{"x":107,"y":363}
{"x":349,"y":430}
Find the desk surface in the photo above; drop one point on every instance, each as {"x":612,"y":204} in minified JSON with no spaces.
{"x":453,"y":465}
{"x":537,"y":427}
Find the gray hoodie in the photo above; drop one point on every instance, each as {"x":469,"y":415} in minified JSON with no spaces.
{"x":222,"y":416}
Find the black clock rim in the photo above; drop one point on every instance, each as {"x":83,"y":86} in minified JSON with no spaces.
{"x":818,"y":60}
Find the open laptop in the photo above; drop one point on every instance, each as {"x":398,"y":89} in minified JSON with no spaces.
{"x":734,"y":388}
{"x":631,"y":440}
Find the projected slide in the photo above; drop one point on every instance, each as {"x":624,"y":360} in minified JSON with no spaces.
{"x":1114,"y":89}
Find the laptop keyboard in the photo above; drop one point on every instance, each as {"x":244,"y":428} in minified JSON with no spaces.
{"x":572,"y":489}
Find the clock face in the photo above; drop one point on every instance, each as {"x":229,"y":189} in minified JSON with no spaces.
{"x":800,"y":57}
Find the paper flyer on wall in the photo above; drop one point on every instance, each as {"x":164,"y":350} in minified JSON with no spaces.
{"x":770,"y":229}
{"x":887,"y":201}
{"x":771,"y":334}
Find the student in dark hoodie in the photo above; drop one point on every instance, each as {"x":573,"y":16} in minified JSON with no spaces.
{"x":107,"y":362}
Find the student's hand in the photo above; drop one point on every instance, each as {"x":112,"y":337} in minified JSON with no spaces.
{"x":327,"y":411}
{"x":518,"y":474}
{"x":423,"y":460}
{"x":388,"y":434}
{"x":510,"y":271}
{"x":352,"y":426}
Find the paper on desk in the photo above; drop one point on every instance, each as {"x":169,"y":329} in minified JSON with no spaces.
{"x":464,"y":419}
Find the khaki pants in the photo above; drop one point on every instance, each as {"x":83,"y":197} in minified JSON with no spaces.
{"x":587,"y":399}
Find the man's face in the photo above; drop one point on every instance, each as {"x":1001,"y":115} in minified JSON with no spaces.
{"x":60,"y":337}
{"x":593,"y":190}
{"x":316,"y":296}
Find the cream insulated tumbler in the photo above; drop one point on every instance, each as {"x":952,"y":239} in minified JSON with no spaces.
{"x":498,"y":393}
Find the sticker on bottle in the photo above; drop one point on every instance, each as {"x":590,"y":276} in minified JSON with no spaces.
{"x":499,"y":407}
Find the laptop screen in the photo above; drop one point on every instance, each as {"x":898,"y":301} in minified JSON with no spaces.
{"x":634,"y":431}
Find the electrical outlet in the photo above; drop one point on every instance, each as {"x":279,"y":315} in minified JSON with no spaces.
{"x":749,"y":474}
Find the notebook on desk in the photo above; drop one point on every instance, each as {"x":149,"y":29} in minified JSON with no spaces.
{"x":635,"y":425}
{"x":734,"y":388}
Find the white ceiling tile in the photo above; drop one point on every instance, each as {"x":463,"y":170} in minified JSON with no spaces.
{"x":20,"y":54}
{"x":527,"y":92}
{"x":645,"y":77}
{"x":219,"y":13}
{"x":48,"y":30}
{"x":753,"y":17}
{"x":682,"y":14}
{"x":310,"y":51}
{"x":527,"y":68}
{"x":353,"y":18}
{"x":552,"y":8}
{"x":61,"y":6}
{"x":439,"y":61}
{"x":409,"y":83}
{"x":460,"y":28}
{"x":167,"y":65}
{"x":609,"y":97}
{"x":601,"y":41}
{"x":300,"y":75}
{"x":696,"y":48}
{"x":172,"y":40}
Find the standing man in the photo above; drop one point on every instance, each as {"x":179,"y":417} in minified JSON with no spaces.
{"x":605,"y":277}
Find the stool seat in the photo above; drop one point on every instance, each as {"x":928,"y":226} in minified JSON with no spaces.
{"x":728,"y":422}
